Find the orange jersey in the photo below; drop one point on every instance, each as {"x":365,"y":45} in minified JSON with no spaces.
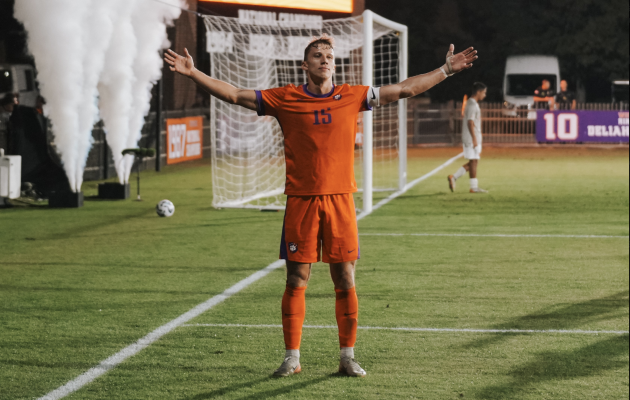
{"x":319,"y":136}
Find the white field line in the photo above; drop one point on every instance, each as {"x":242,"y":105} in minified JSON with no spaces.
{"x":447,"y":330}
{"x":409,"y":186}
{"x":111,"y":362}
{"x":498,"y":235}
{"x":133,"y":349}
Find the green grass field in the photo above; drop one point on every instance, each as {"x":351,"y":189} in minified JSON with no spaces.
{"x":79,"y":285}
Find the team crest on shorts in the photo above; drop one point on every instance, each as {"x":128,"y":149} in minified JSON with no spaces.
{"x":337,"y":97}
{"x":293,"y":247}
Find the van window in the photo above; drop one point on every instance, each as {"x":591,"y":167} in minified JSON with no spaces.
{"x":21,"y":80}
{"x":526,"y":84}
{"x":29,"y":80}
{"x":6,"y":83}
{"x":620,"y":93}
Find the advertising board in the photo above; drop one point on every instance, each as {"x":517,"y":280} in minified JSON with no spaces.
{"x":184,"y":139}
{"x":340,"y":6}
{"x":582,"y":126}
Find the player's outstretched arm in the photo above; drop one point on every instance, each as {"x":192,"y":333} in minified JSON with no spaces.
{"x":418,"y":84}
{"x":185,"y":66}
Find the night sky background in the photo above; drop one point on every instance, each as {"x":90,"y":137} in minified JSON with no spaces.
{"x":590,"y":37}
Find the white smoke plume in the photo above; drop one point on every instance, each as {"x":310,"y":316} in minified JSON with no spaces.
{"x":136,"y":65}
{"x":97,"y":32}
{"x":115,"y":86}
{"x":90,"y":49}
{"x":55,"y":39}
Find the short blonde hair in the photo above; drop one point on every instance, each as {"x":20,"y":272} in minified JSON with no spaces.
{"x":324,"y":39}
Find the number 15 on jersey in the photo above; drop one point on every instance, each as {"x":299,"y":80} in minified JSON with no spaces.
{"x":322,"y":117}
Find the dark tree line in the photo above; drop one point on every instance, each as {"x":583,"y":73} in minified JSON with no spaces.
{"x":590,"y":37}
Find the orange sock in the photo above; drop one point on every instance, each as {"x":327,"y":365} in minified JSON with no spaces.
{"x":347,"y":312}
{"x":293,"y":312}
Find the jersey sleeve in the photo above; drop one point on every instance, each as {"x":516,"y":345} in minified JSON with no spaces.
{"x":362,"y":96}
{"x":269,"y":101}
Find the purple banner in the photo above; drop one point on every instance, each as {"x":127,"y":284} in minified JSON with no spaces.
{"x":582,"y":126}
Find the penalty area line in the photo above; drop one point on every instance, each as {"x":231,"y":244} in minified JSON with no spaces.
{"x":409,"y":186}
{"x":131,"y":350}
{"x":437,"y":330}
{"x":499,"y":235}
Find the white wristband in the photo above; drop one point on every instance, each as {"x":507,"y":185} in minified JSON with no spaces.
{"x":444,"y":72}
{"x":374,"y":97}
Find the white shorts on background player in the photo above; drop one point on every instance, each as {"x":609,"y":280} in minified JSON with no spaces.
{"x":471,"y":154}
{"x":471,"y":112}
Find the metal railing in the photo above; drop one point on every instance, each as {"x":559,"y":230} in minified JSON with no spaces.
{"x":442,"y":123}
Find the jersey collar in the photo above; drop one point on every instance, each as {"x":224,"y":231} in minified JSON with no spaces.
{"x":319,"y":96}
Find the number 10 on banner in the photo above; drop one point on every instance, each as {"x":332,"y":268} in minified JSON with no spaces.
{"x":567,"y":126}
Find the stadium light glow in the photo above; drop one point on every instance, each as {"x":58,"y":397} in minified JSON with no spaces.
{"x":342,"y":6}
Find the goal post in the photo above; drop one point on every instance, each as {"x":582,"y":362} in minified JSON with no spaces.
{"x":248,"y":166}
{"x":369,"y":19}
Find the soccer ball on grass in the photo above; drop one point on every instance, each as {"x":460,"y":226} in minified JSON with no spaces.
{"x":165,"y":208}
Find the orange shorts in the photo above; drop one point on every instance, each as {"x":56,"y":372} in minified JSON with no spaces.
{"x":316,"y":223}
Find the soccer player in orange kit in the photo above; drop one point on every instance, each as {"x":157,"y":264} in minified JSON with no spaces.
{"x":319,"y":123}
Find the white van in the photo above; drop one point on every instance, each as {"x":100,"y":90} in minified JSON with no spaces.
{"x":20,"y":79}
{"x":523,"y":75}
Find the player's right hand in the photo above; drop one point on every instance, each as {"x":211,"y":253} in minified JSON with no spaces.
{"x":180,"y":64}
{"x":458,"y":62}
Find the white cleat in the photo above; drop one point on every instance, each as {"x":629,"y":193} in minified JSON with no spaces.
{"x":290,"y":366}
{"x":350,"y":367}
{"x":478,"y":190}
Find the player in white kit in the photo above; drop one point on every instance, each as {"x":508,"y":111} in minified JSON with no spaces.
{"x":471,"y":138}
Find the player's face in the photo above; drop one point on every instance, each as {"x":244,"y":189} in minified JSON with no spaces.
{"x":564,"y":86}
{"x":320,"y":63}
{"x":546,"y":85}
{"x":482,"y":94}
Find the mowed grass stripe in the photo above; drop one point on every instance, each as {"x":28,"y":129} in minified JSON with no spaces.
{"x":408,"y":329}
{"x":131,"y":350}
{"x":144,"y":272}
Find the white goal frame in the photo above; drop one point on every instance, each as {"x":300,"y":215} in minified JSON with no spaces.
{"x":372,"y":27}
{"x":369,"y":18}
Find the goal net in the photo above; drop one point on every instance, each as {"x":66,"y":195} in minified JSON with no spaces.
{"x":248,"y":166}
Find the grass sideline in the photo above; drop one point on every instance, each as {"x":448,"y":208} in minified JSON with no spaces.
{"x":78,"y":285}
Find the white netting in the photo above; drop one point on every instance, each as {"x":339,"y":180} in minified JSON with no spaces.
{"x":248,"y":151}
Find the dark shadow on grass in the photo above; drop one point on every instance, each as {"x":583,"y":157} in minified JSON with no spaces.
{"x":78,"y":231}
{"x":228,"y":389}
{"x":422,"y":196}
{"x":23,"y":289}
{"x":218,"y":393}
{"x":553,"y":366}
{"x":51,"y":365}
{"x":288,"y":389}
{"x":571,"y":316}
{"x":225,"y":222}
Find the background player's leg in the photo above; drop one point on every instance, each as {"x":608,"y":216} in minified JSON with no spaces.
{"x":474,"y":183}
{"x":460,"y":172}
{"x":472,"y":168}
{"x":347,"y":313}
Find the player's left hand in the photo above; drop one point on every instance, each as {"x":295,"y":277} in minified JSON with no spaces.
{"x":458,"y":62}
